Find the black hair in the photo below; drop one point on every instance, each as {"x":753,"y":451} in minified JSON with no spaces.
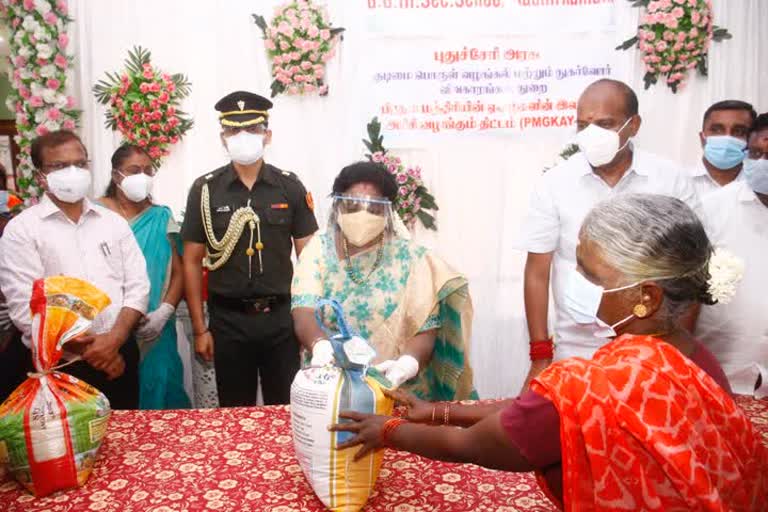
{"x":761,"y":123}
{"x":120,"y":155}
{"x":52,"y":140}
{"x":366,"y":172}
{"x":729,"y":105}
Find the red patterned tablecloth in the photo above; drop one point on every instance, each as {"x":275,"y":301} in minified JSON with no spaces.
{"x":242,"y":460}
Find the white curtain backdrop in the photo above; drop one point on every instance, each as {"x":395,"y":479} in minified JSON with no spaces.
{"x":481,"y":181}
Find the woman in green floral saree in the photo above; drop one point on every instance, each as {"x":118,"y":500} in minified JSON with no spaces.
{"x":410,"y":305}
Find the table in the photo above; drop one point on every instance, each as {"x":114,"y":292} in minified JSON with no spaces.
{"x":242,"y":460}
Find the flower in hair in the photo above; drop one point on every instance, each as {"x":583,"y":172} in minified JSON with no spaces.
{"x":725,"y":272}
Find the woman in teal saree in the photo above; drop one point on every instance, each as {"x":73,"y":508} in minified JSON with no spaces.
{"x":160,"y":369}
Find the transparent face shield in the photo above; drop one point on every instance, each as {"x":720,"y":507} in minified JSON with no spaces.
{"x":361,"y":220}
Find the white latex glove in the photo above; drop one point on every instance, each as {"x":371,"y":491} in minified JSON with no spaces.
{"x":399,"y":370}
{"x":152,"y":324}
{"x":322,"y":353}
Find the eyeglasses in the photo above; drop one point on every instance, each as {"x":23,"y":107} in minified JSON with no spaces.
{"x":133,"y":170}
{"x":57,"y":166}
{"x":255,"y":129}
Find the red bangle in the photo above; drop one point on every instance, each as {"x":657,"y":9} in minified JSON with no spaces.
{"x":389,"y":427}
{"x":542,"y":350}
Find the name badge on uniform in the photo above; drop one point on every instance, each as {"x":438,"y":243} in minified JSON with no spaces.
{"x":223,"y":209}
{"x":280,"y":206}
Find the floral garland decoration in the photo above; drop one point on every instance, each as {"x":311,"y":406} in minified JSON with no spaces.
{"x":144,"y":104}
{"x":300,"y":41}
{"x":674,"y":37}
{"x":38,"y":74}
{"x":413,"y":199}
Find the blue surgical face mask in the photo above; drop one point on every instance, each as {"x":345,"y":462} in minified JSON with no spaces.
{"x":582,"y":299}
{"x":756,"y":172}
{"x":724,"y":151}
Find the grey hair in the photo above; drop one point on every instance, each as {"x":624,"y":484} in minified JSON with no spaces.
{"x":648,"y":237}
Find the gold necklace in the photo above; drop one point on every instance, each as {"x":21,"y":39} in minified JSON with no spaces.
{"x":354,"y":273}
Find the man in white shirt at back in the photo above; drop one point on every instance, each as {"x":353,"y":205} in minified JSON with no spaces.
{"x":736,"y":219}
{"x":66,"y":234}
{"x":723,"y":136}
{"x":606,"y":165}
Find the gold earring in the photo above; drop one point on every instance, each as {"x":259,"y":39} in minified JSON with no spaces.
{"x":640,"y":311}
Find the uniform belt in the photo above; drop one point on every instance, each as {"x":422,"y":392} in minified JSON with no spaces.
{"x":251,"y":305}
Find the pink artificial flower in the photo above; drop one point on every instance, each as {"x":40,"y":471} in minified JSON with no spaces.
{"x":19,"y":107}
{"x":677,"y":47}
{"x":154,"y":104}
{"x":24,"y":93}
{"x":148,"y":74}
{"x":63,"y":40}
{"x":53,"y":114}
{"x":155,"y":87}
{"x":164,"y":98}
{"x":309,"y":88}
{"x":142,"y":143}
{"x":671,"y":23}
{"x":665,"y":4}
{"x":650,"y":35}
{"x":402,"y":178}
{"x":36,"y":101}
{"x":60,"y":61}
{"x":136,"y":107}
{"x":681,"y":37}
{"x":690,"y":46}
{"x":402,"y":191}
{"x":70,"y":102}
{"x":693,"y":34}
{"x":174,"y":139}
{"x":270,"y":44}
{"x":319,"y":72}
{"x":294,"y":22}
{"x":305,"y":25}
{"x":20,"y":61}
{"x":299,"y":78}
{"x":326,"y":57}
{"x":292,"y":90}
{"x":61,"y":6}
{"x":669,"y":35}
{"x":377,"y":157}
{"x":146,"y":117}
{"x":16,"y":22}
{"x":313,"y":32}
{"x":68,"y":124}
{"x":53,"y":83}
{"x":678,"y":12}
{"x":50,"y":18}
{"x":692,"y":3}
{"x":284,"y":46}
{"x":683,"y":56}
{"x":695,"y":17}
{"x":691,"y":65}
{"x":136,"y":118}
{"x":285,"y":29}
{"x":158,"y":115}
{"x":661,"y":46}
{"x":144,"y":88}
{"x":41,"y":130}
{"x":171,"y":111}
{"x":325,"y":34}
{"x":306,"y":65}
{"x":680,"y":2}
{"x":666,"y":68}
{"x":296,"y":56}
{"x":29,"y":4}
{"x":164,"y":139}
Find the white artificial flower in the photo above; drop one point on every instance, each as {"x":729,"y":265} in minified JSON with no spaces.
{"x":18,"y":38}
{"x":49,"y":96}
{"x":25,"y":73}
{"x":37,"y":89}
{"x":41,"y":34}
{"x":29,"y":24}
{"x":44,"y":51}
{"x":61,"y":101}
{"x":53,"y":125}
{"x":48,"y":71}
{"x":25,"y":51}
{"x":39,"y":116}
{"x":42,"y":6}
{"x":725,"y":273}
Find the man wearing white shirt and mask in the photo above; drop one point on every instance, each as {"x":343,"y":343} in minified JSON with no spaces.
{"x":606,"y":165}
{"x":736,"y":218}
{"x":66,"y":234}
{"x":723,"y":137}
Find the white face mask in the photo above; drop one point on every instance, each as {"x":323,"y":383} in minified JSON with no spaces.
{"x":756,"y":172}
{"x":245,"y":148}
{"x":70,"y":184}
{"x":582,"y":300}
{"x":600,"y":145}
{"x":360,"y":228}
{"x":136,"y":187}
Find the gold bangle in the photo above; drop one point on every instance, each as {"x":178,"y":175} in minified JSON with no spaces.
{"x":447,"y":414}
{"x":434,"y":408}
{"x":198,"y":334}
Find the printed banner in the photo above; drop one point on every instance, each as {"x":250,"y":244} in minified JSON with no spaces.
{"x":487,"y":17}
{"x":528,"y":84}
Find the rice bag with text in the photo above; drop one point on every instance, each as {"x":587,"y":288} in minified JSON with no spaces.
{"x":318,"y":394}
{"x":52,"y":425}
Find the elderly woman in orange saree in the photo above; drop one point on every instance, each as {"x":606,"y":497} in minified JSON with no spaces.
{"x":648,"y":423}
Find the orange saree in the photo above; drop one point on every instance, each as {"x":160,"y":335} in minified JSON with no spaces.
{"x":644,"y":428}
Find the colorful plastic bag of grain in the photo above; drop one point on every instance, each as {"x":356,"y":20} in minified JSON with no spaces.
{"x":317,"y":397}
{"x":52,"y":425}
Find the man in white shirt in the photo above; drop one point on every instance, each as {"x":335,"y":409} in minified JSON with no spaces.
{"x":607,"y":164}
{"x":67,"y":234}
{"x":736,"y":218}
{"x":723,"y":137}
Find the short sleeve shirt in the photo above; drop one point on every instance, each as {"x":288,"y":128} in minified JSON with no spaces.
{"x":285,"y":212}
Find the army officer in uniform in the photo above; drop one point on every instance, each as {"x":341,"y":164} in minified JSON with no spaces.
{"x":241,"y":222}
